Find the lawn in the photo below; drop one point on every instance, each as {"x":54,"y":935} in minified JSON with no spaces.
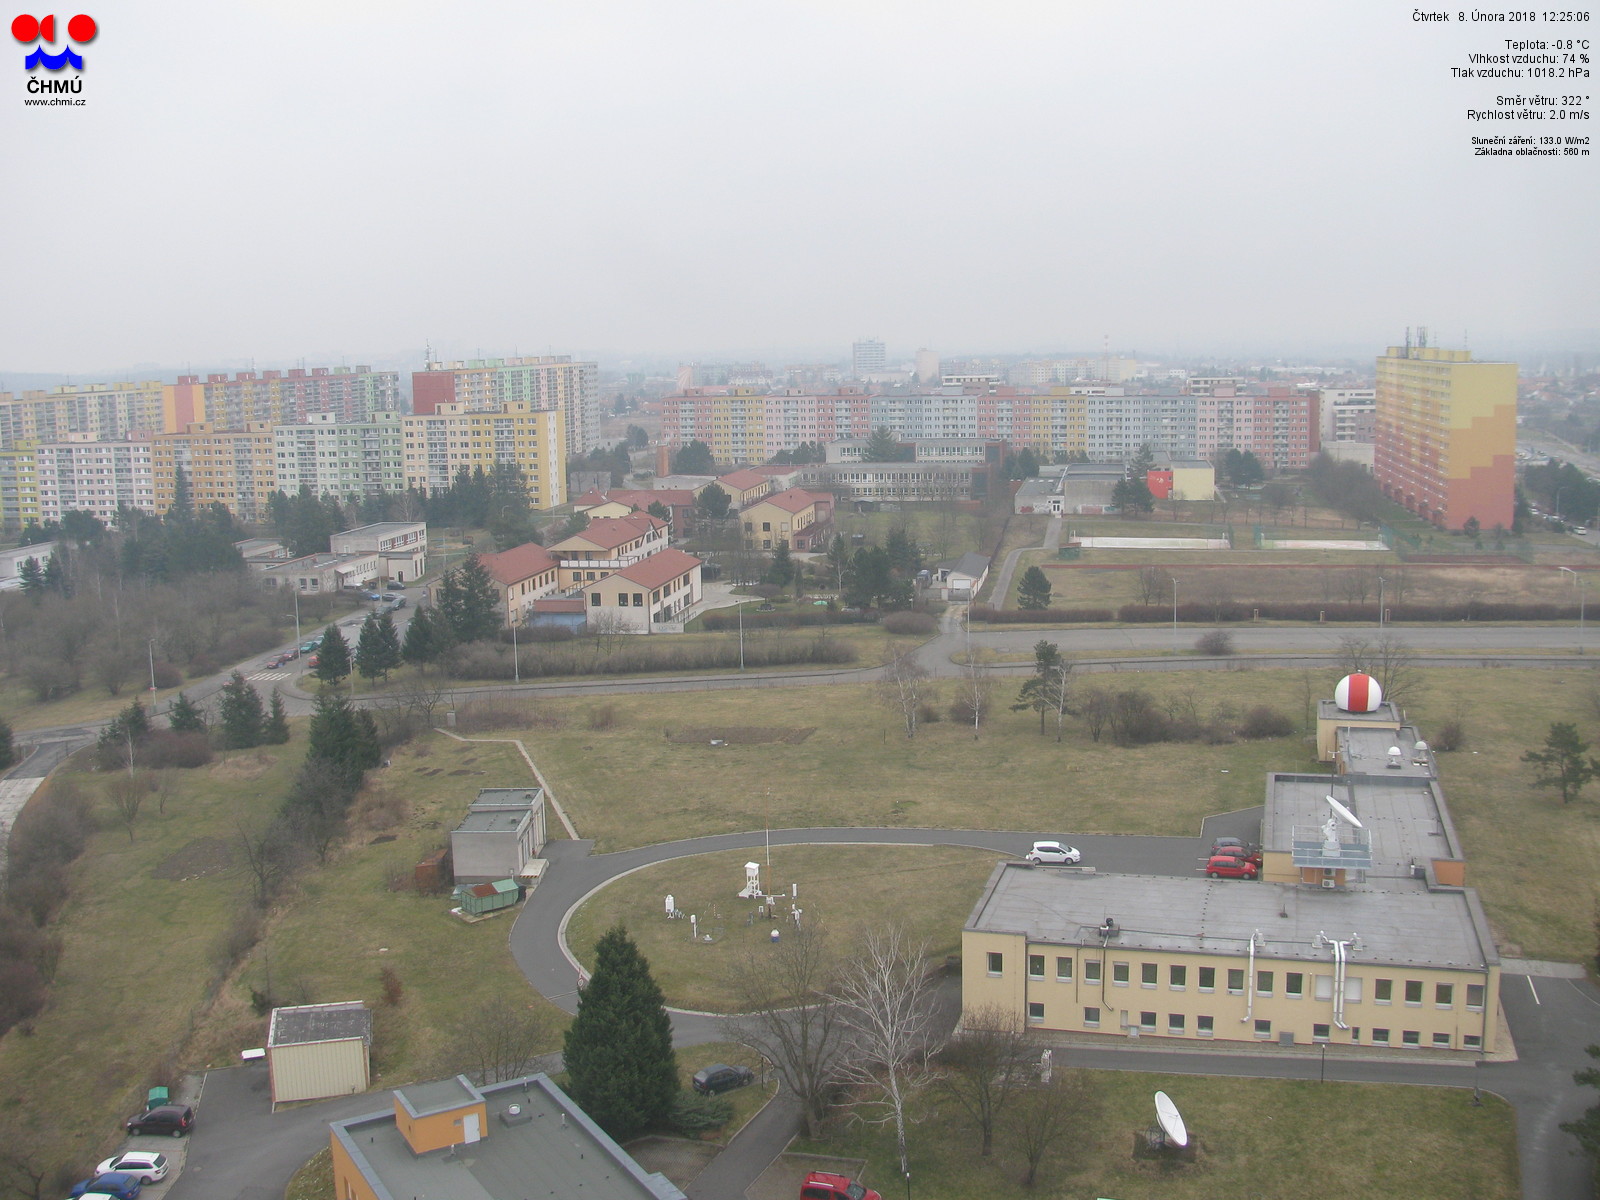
{"x":928,"y":889}
{"x":111,"y":1029}
{"x":1259,"y":1138}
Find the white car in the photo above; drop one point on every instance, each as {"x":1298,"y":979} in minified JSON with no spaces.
{"x":148,"y":1166}
{"x":1053,"y":852}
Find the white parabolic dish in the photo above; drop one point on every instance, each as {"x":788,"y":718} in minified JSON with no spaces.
{"x":1344,"y":812}
{"x":1171,"y":1122}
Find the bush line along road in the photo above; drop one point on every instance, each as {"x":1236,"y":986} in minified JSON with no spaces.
{"x":1551,"y":1020}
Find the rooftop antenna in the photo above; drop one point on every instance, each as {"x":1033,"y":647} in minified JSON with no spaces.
{"x":1344,"y":813}
{"x":1177,"y":1134}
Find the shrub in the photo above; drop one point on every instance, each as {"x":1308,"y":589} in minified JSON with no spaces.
{"x":393,"y":990}
{"x":1263,"y":722}
{"x":601,"y":717}
{"x":927,"y":713}
{"x":910,"y":624}
{"x":378,"y":808}
{"x":202,"y":665}
{"x":693,"y":1113}
{"x":501,"y":712}
{"x":1217,"y":642}
{"x":1452,"y":735}
{"x":163,"y":748}
{"x":167,"y":675}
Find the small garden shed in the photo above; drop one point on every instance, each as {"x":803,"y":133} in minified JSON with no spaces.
{"x":476,"y":899}
{"x":319,"y":1050}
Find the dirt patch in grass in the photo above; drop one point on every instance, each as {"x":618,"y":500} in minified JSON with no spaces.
{"x":201,"y":857}
{"x":242,"y":767}
{"x":679,"y":1159}
{"x":741,"y":735}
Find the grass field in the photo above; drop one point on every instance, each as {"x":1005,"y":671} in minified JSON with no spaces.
{"x":1258,"y":1138}
{"x":847,"y":763}
{"x":929,"y":890}
{"x":119,"y":1018}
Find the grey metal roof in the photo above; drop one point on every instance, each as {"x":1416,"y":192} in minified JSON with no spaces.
{"x":549,"y":1148}
{"x":489,"y":799}
{"x":1366,"y":752}
{"x":494,"y":821}
{"x":1404,"y":819}
{"x":305,"y":1023}
{"x":1401,"y":923}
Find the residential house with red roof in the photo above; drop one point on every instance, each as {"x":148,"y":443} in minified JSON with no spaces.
{"x":652,"y":590}
{"x":619,"y":502}
{"x":607,"y":545}
{"x":801,"y":518}
{"x":744,"y":487}
{"x":521,"y":575}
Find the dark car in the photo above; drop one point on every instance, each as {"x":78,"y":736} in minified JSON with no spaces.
{"x":114,"y":1183}
{"x":174,"y":1119}
{"x":1221,"y":845}
{"x":720,"y":1077}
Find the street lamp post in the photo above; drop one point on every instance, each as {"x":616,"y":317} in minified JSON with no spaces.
{"x":516,"y":663}
{"x":151,"y":644}
{"x":1578,"y":579}
{"x":297,"y":614}
{"x":1380,"y":601}
{"x":741,"y":635}
{"x":1174,"y":614}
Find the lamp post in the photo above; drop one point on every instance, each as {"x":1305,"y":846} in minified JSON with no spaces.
{"x":151,"y":644}
{"x":741,"y":635}
{"x":1174,"y":614}
{"x":1380,"y":601}
{"x":1578,"y":579}
{"x":516,"y":663}
{"x":297,"y":613}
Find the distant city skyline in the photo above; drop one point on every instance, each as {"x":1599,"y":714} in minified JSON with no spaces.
{"x":716,"y":180}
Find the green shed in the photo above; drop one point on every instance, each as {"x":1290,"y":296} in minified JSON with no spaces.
{"x":477,"y":898}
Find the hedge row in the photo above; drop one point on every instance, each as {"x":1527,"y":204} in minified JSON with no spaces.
{"x":634,"y":655}
{"x":1230,"y":611}
{"x":720,"y":620}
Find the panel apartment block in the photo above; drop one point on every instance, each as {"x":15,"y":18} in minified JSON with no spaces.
{"x":94,"y":475}
{"x":454,"y":436}
{"x":341,"y":458}
{"x":106,"y":410}
{"x":282,"y":397}
{"x":233,"y":467}
{"x":549,"y":383}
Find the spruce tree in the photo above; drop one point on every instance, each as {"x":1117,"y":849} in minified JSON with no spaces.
{"x":31,"y":573}
{"x":8,"y":752}
{"x":275,"y":730}
{"x":369,"y":650}
{"x":424,"y":640}
{"x":333,"y":656}
{"x":389,"y":643}
{"x":469,"y":602}
{"x":1034,"y":590}
{"x":618,"y":1050}
{"x":185,"y":716}
{"x":240,"y":714}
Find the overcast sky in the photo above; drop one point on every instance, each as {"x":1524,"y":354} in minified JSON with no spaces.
{"x":281,"y":179}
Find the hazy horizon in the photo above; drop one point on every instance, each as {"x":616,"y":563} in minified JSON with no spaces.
{"x":304,"y":181}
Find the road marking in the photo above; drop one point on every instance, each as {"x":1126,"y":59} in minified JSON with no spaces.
{"x":1534,"y":990}
{"x":270,"y":675}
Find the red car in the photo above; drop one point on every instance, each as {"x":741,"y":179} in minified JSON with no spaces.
{"x":823,"y":1185}
{"x":1226,"y":866}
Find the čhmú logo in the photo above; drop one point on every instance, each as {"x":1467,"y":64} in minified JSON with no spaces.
{"x":26,"y":29}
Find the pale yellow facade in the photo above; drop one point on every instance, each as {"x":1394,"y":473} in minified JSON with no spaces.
{"x":313,"y":1070}
{"x":439,"y":444}
{"x":233,"y":467}
{"x":19,"y":488}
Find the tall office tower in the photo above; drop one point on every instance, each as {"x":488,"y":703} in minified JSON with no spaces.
{"x":341,"y":458}
{"x":866,"y":358}
{"x":232,"y":467}
{"x":108,"y":410}
{"x":283,"y":397}
{"x":550,"y":383}
{"x":455,"y":436}
{"x":1446,"y":432}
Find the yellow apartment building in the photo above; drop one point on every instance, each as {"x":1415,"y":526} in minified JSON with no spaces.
{"x":234,"y":467}
{"x":440,"y":443}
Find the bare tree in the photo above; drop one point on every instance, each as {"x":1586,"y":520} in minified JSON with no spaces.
{"x":984,"y":1064}
{"x":1049,"y":1116}
{"x":1388,"y":659}
{"x":789,"y":1014}
{"x":163,"y":786}
{"x":127,"y":794}
{"x":269,"y":854}
{"x":903,"y":683}
{"x":1154,"y":584}
{"x":974,"y":694}
{"x":1096,"y":709}
{"x":498,"y":1039}
{"x":889,"y":1018}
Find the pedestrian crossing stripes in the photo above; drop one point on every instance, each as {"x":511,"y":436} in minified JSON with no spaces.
{"x":270,"y":675}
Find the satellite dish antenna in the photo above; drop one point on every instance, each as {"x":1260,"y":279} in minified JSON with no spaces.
{"x":1171,"y":1121}
{"x":1344,"y":813}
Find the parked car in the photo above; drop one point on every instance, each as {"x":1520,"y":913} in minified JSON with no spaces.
{"x":374,"y":596}
{"x":277,"y":660}
{"x":1216,"y":846}
{"x":720,"y":1077}
{"x":1053,"y":852}
{"x":313,"y":661}
{"x":116,"y":1183}
{"x":399,"y":602}
{"x":824,"y":1185}
{"x":291,"y":654}
{"x":388,"y":596}
{"x":397,"y":586}
{"x":174,"y":1119}
{"x":1225,"y":866}
{"x":308,"y":647}
{"x":148,"y":1165}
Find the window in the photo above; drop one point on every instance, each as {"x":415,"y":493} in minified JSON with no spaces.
{"x":1063,"y":969}
{"x":1263,"y":1029}
{"x":1294,"y":985}
{"x":1035,"y":1010}
{"x":1236,"y":981}
{"x":1413,"y":991}
{"x":1035,"y":966}
{"x":1147,"y":1022}
{"x":1471,"y":1041}
{"x":1410,"y":1037}
{"x":1203,"y":1026}
{"x":1091,"y":1018}
{"x":1380,"y":1037}
{"x":1119,"y":974}
{"x":1444,"y":995}
{"x":1208,"y":979}
{"x":1175,"y":1024}
{"x":1319,"y":1033}
{"x":1441,"y":1041}
{"x":1147,"y":975}
{"x":1475,"y":997}
{"x":1355,"y":1035}
{"x":996,"y":962}
{"x":1382,"y":992}
{"x":1091,"y":970}
{"x":1263,"y":983}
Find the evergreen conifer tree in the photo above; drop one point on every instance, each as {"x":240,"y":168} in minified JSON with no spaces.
{"x":389,"y":642}
{"x":424,"y":639}
{"x":369,"y":650}
{"x":240,"y":714}
{"x":1034,"y":590}
{"x":333,"y":656}
{"x":8,"y":751}
{"x":469,"y":602}
{"x":618,"y":1051}
{"x":185,"y":716}
{"x":32,"y":576}
{"x":275,"y":730}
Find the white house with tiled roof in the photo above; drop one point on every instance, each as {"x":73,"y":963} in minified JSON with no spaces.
{"x":607,"y":545}
{"x":521,"y":575}
{"x":793,"y":515}
{"x":744,"y":487}
{"x":651,"y":591}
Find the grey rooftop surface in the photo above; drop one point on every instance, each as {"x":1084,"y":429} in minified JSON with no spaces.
{"x":1365,"y":751}
{"x":495,"y":820}
{"x":490,"y":799}
{"x":550,"y":1149}
{"x":305,"y":1023}
{"x":1402,"y":923}
{"x":1404,"y":821}
{"x":382,"y":528}
{"x":1386,"y":714}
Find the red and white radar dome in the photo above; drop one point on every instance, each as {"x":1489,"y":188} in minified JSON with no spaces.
{"x":1358,"y":693}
